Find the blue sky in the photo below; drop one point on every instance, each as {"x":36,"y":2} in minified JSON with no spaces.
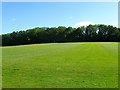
{"x":18,"y":16}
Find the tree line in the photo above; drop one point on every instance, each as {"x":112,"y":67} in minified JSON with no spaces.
{"x":90,"y":33}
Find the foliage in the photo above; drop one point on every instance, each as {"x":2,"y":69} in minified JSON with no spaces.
{"x":91,"y":33}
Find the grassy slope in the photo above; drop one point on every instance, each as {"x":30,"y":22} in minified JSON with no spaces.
{"x":90,"y":65}
{"x":0,"y":67}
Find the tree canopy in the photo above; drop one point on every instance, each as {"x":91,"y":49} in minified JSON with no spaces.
{"x":90,"y":33}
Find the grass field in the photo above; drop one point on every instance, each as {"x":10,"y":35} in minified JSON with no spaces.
{"x":0,"y":67}
{"x":63,"y":65}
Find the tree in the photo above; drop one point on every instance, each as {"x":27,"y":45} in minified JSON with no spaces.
{"x":91,"y":33}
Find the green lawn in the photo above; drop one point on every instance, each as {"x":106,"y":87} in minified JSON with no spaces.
{"x":0,"y":67}
{"x":63,"y":65}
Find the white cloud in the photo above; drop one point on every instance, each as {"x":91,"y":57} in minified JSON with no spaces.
{"x":71,"y":17}
{"x":13,"y":19}
{"x":83,"y":23}
{"x":86,"y":23}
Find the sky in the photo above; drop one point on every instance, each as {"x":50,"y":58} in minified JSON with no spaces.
{"x":18,"y":16}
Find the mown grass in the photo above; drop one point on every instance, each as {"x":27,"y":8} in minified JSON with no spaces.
{"x":63,"y":65}
{"x":0,"y":67}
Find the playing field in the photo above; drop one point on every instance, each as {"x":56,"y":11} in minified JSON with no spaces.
{"x":61,"y":65}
